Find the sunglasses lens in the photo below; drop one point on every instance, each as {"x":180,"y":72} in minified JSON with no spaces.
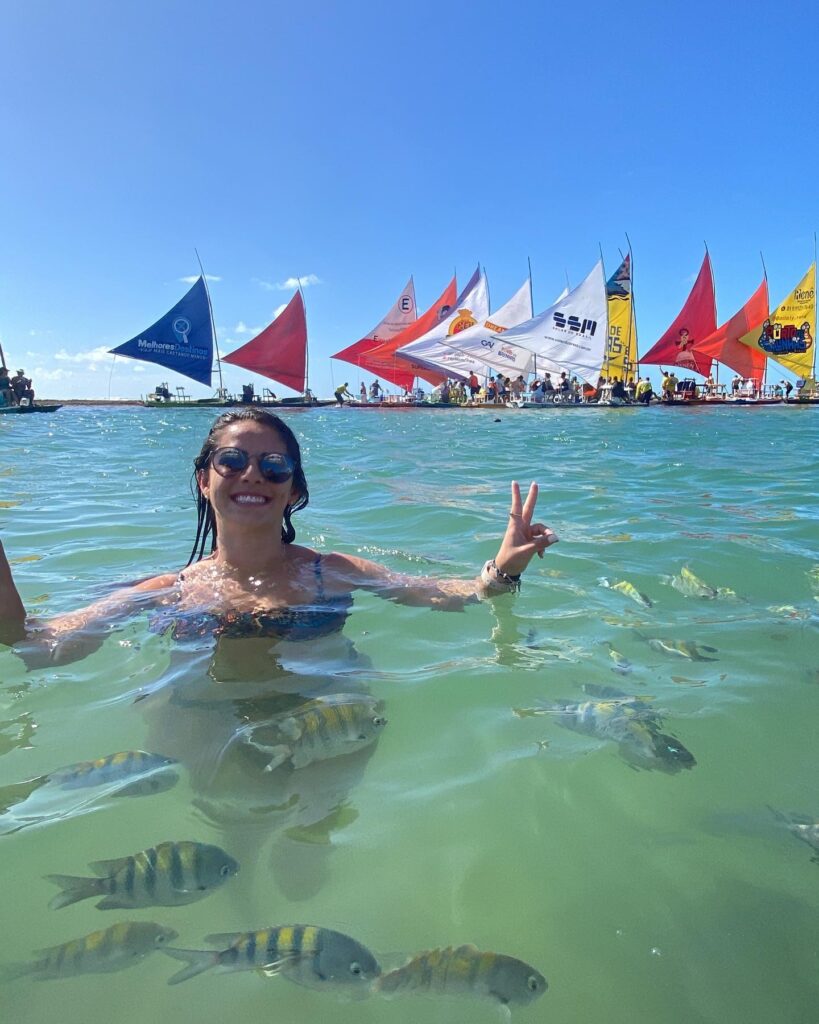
{"x":276,"y":468}
{"x":229,"y":460}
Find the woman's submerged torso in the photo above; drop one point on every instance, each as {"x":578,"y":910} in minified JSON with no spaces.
{"x":205,"y":603}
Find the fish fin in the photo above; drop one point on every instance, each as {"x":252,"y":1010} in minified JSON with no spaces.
{"x":291,"y":728}
{"x":467,"y":949}
{"x":712,"y":650}
{"x":106,"y":868}
{"x":280,"y":755}
{"x":198,"y":960}
{"x":74,"y":889}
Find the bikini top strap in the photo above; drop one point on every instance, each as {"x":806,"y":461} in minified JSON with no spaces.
{"x":320,"y":597}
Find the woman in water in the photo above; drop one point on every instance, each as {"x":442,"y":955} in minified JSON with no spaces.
{"x":256,"y":581}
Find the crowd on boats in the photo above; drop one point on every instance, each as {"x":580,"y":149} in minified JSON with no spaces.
{"x":563,"y":389}
{"x":16,"y":390}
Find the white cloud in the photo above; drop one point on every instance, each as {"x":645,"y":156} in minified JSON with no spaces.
{"x":94,"y":355}
{"x":290,"y":284}
{"x":41,"y":374}
{"x":195,"y":277}
{"x":279,"y":309}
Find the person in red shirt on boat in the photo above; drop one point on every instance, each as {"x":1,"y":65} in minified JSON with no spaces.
{"x":246,"y":577}
{"x":474,"y":384}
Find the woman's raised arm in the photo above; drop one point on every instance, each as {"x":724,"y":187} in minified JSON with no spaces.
{"x":522,"y":540}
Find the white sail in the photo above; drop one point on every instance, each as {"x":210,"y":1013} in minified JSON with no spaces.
{"x":471,"y":308}
{"x":570,"y":335}
{"x":463,"y":351}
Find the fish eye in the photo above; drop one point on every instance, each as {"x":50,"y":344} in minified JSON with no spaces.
{"x":224,"y":870}
{"x":378,"y":720}
{"x":355,"y":967}
{"x":161,"y":937}
{"x":532,"y":983}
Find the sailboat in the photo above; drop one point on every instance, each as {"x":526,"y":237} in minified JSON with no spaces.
{"x":279,"y":352}
{"x":697,"y":319}
{"x":183,"y":340}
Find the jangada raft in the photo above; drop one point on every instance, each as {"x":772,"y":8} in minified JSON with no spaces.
{"x":184,"y":340}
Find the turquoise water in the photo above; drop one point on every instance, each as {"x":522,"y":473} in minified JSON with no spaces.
{"x":641,"y":895}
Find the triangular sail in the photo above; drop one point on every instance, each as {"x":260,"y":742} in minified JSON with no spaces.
{"x":695,"y":321}
{"x":724,"y":344}
{"x":382,"y":360}
{"x":463,"y":351}
{"x":621,"y":346}
{"x":570,"y":335}
{"x":788,"y":334}
{"x":280,"y":350}
{"x":402,"y":315}
{"x":182,"y":340}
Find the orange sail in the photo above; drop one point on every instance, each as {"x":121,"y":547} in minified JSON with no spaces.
{"x":382,"y":360}
{"x":725,"y":346}
{"x":280,"y":350}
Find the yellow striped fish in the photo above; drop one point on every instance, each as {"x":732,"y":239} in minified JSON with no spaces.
{"x":304,"y":953}
{"x":323,"y":728}
{"x":466,"y":970}
{"x":112,"y":949}
{"x":139,"y":772}
{"x":682,"y":649}
{"x":165,"y":875}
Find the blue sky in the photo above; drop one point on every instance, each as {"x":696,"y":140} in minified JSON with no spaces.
{"x":359,"y":143}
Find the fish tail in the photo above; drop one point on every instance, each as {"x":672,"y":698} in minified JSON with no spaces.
{"x":198,"y":960}
{"x":10,"y":972}
{"x":75,"y":889}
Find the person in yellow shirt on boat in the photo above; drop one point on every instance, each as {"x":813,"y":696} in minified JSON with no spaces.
{"x":668,"y":385}
{"x":342,"y":393}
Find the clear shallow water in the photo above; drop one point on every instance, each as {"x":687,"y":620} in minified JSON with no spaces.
{"x":642,"y":896}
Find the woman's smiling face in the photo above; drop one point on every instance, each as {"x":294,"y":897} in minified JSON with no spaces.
{"x":247,"y":495}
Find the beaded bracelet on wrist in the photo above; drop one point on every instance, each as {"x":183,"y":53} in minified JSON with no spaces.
{"x":496,"y":579}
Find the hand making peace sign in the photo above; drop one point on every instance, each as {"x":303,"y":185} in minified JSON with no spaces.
{"x":523,"y":538}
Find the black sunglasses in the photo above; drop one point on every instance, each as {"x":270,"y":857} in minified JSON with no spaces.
{"x":274,"y":467}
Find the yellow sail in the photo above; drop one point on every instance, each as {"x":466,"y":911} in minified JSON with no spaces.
{"x":789,"y":332}
{"x":621,"y":344}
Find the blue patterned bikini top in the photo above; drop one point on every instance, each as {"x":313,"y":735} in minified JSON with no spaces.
{"x":326,"y":615}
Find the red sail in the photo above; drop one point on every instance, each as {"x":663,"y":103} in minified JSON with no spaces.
{"x":280,"y":350}
{"x":383,"y":361}
{"x":724,"y":343}
{"x":697,"y":319}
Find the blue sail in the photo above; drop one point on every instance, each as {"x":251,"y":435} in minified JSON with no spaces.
{"x":182,"y":340}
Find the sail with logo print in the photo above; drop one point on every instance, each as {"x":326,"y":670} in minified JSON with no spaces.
{"x":569,"y":336}
{"x":402,"y":314}
{"x":431,"y":352}
{"x":621,"y":346}
{"x":183,"y":340}
{"x":466,"y":348}
{"x":697,"y":319}
{"x":788,"y":334}
{"x":380,"y":359}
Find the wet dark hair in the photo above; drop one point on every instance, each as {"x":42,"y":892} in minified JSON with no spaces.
{"x":205,"y":520}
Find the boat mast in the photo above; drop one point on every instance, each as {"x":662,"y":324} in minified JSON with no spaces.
{"x":765,"y":276}
{"x":2,"y":357}
{"x":532,"y":301}
{"x":306,"y":350}
{"x":632,"y":319}
{"x":714,"y":293}
{"x":813,"y":364}
{"x":212,"y":326}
